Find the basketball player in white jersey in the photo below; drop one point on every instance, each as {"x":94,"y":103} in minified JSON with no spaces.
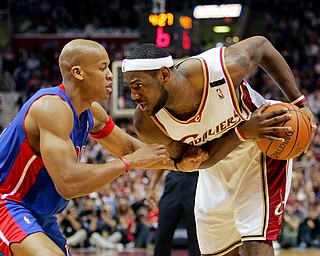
{"x":241,"y":193}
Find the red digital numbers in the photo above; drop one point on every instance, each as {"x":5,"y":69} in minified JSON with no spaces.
{"x":171,"y":29}
{"x":162,"y":38}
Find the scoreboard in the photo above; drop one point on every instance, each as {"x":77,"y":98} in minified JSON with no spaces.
{"x":166,"y":30}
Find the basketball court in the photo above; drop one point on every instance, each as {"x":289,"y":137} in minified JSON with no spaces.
{"x":143,"y":252}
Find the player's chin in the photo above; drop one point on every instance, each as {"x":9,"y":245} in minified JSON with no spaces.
{"x":105,"y":96}
{"x":101,"y":97}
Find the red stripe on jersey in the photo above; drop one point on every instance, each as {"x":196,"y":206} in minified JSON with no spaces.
{"x":277,"y":185}
{"x":10,"y":230}
{"x":22,"y":174}
{"x":61,"y":86}
{"x":246,"y":99}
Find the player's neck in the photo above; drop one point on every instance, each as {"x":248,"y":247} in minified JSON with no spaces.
{"x":79,"y":103}
{"x":185,"y":98}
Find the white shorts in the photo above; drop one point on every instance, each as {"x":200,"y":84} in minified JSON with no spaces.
{"x":240,"y":199}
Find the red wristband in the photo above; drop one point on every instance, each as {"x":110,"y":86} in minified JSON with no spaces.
{"x":125,"y":163}
{"x":299,"y":100}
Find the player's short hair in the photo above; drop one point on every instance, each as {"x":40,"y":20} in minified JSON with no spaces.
{"x":148,"y":51}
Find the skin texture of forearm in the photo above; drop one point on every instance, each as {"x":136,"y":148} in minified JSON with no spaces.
{"x":219,"y":148}
{"x":277,"y":68}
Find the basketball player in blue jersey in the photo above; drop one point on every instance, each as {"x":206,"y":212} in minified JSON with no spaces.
{"x":205,"y":101}
{"x":40,"y":152}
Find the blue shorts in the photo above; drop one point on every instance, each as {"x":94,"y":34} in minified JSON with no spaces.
{"x":17,"y":222}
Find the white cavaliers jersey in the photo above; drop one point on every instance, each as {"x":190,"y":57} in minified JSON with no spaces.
{"x":219,"y":109}
{"x":238,"y":199}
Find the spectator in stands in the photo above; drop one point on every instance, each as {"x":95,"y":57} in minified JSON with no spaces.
{"x":104,"y":228}
{"x":126,"y":222}
{"x":290,"y":228}
{"x":314,"y":99}
{"x":71,"y":226}
{"x":309,"y":229}
{"x":2,"y":120}
{"x":143,"y":229}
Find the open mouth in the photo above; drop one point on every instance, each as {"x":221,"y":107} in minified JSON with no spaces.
{"x":142,"y":106}
{"x":109,"y":88}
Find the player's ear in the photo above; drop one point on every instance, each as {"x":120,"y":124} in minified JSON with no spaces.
{"x":76,"y":71}
{"x":164,"y":73}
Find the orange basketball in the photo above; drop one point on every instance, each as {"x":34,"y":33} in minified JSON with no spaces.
{"x":296,"y":141}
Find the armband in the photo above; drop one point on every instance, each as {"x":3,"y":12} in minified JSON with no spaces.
{"x":107,"y":129}
{"x":240,"y":134}
{"x":299,"y":100}
{"x":125,"y":163}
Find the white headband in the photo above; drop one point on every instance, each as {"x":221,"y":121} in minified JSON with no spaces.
{"x":146,"y":64}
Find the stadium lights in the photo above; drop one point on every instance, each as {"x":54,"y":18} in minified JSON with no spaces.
{"x":221,"y":29}
{"x":217,"y":11}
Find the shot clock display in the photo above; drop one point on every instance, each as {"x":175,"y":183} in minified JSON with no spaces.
{"x":166,"y":29}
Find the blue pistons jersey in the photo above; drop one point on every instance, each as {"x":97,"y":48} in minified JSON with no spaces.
{"x":23,"y":176}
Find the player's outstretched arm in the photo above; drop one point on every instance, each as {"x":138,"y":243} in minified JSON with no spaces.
{"x":120,"y":143}
{"x":245,"y":56}
{"x":52,"y":119}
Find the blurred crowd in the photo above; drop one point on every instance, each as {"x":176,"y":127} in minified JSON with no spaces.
{"x":293,"y":27}
{"x":89,"y":16}
{"x":118,"y":215}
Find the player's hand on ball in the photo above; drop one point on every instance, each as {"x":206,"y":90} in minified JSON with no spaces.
{"x":306,"y":109}
{"x":295,"y":141}
{"x":266,"y":125}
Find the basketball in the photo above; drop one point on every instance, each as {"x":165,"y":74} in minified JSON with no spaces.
{"x":296,"y":141}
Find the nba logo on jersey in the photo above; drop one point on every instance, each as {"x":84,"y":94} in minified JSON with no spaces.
{"x":26,"y":219}
{"x":220,"y":93}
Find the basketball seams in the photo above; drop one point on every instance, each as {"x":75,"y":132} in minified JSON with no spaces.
{"x":295,"y":140}
{"x":306,"y":121}
{"x":296,"y":131}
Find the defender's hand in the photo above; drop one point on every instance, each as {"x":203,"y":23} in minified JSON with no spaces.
{"x":148,"y":155}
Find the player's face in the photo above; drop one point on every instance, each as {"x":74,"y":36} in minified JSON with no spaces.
{"x":146,"y":91}
{"x":98,"y":76}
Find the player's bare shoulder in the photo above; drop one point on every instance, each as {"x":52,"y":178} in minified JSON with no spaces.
{"x":49,"y":112}
{"x":189,"y":67}
{"x":245,"y":55}
{"x":238,"y":61}
{"x":51,"y":105}
{"x":236,"y":58}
